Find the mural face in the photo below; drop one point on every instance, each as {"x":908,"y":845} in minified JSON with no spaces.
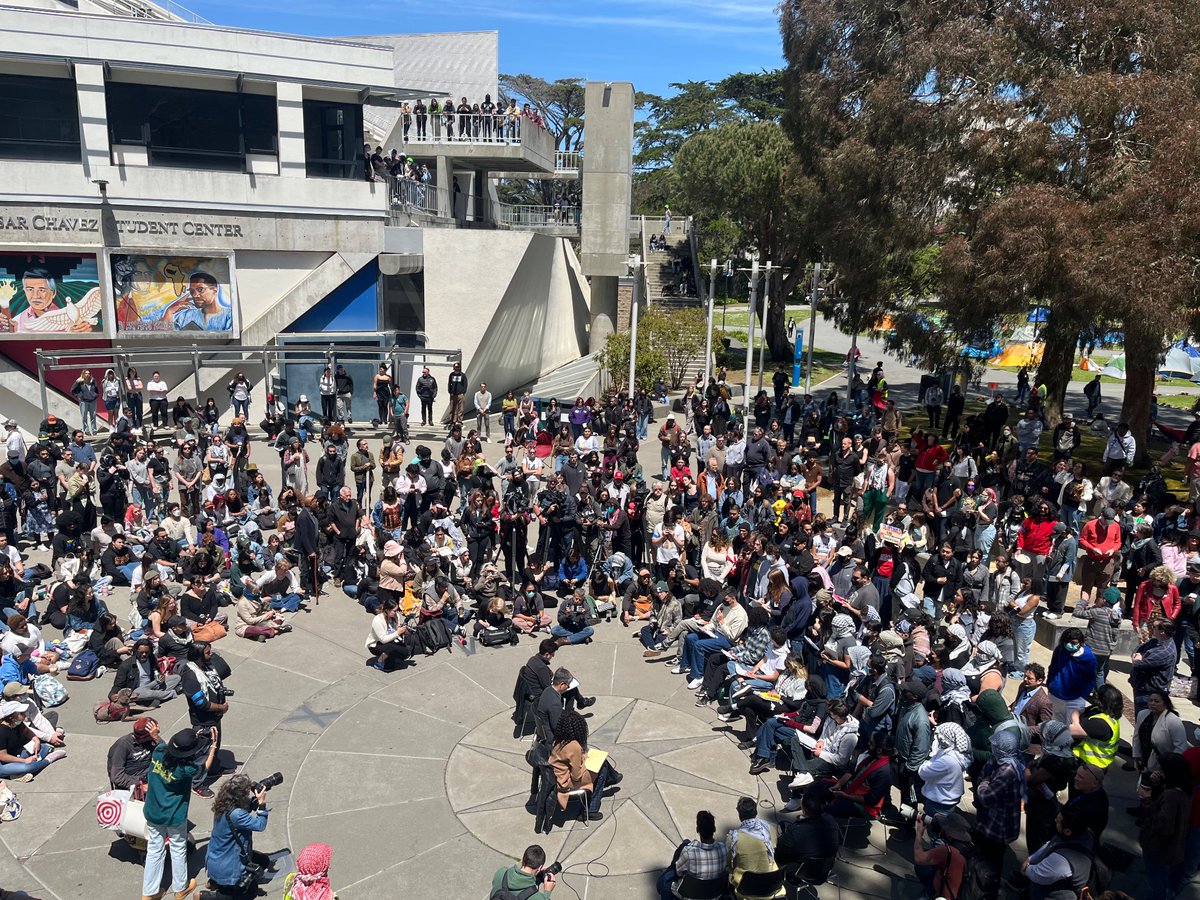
{"x":50,"y":294}
{"x":172,"y":294}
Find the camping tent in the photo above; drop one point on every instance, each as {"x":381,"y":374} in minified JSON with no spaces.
{"x":1115,"y":367}
{"x":1183,"y":361}
{"x":1019,"y":355}
{"x":1087,"y":364}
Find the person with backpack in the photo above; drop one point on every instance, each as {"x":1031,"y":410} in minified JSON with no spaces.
{"x":941,"y":853}
{"x":1062,"y":867}
{"x":526,"y":880}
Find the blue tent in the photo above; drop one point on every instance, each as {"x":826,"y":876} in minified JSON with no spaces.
{"x":1182,"y":361}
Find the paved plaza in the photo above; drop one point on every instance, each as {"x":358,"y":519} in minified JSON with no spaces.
{"x":416,"y":780}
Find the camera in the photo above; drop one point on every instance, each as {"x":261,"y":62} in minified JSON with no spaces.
{"x":269,"y":782}
{"x":553,"y":869}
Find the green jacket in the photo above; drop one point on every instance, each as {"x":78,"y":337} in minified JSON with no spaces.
{"x":517,"y":881}
{"x":168,"y":789}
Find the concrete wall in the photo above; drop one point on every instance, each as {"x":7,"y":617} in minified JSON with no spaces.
{"x":607,"y":178}
{"x":514,"y":303}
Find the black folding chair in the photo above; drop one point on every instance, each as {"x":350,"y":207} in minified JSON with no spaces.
{"x":702,"y":889}
{"x":808,"y":875}
{"x":759,"y":885}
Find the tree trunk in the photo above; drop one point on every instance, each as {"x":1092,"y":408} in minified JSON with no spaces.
{"x":1058,"y":362}
{"x":1142,"y":350}
{"x":776,"y":324}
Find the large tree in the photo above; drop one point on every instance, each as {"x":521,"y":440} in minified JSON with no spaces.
{"x":738,"y":174}
{"x":560,"y":103}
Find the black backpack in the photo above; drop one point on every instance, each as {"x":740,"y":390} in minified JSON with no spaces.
{"x":434,"y":636}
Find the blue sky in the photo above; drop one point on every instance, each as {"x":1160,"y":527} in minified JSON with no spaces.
{"x":649,"y":42}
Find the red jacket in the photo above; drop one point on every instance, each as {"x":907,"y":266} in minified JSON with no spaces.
{"x":1099,"y":542}
{"x":1036,"y":537}
{"x":1143,"y":603}
{"x":931,"y":458}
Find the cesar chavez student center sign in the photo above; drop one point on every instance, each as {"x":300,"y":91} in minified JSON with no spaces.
{"x":29,"y":224}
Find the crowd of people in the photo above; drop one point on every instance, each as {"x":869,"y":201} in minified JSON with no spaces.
{"x":863,"y":644}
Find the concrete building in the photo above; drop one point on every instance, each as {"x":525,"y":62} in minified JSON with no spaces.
{"x":166,"y":182}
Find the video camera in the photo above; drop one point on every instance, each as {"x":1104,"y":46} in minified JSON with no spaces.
{"x":553,"y":869}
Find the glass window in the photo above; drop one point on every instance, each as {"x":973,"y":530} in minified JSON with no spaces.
{"x":39,"y":118}
{"x":192,"y":128}
{"x":333,"y":139}
{"x":402,"y":304}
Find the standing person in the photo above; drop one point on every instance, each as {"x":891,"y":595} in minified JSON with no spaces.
{"x":239,"y":395}
{"x":933,"y":405}
{"x":86,"y":391}
{"x":168,"y":791}
{"x":133,"y":395}
{"x":343,"y":386}
{"x":955,"y":404}
{"x":110,"y":391}
{"x":207,"y":706}
{"x":421,"y":113}
{"x":456,"y":387}
{"x":435,"y":119}
{"x":1091,"y":390}
{"x":1072,"y":675}
{"x":156,"y":393}
{"x":1164,"y":831}
{"x":362,"y":465}
{"x":381,"y":386}
{"x":327,"y":388}
{"x":426,"y":390}
{"x":483,"y":412}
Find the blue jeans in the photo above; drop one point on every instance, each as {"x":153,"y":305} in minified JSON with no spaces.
{"x":31,"y":767}
{"x":156,"y":851}
{"x":665,"y":455}
{"x":985,"y":536}
{"x":240,"y":407}
{"x":87,"y":414}
{"x":575,"y":637}
{"x":598,"y":785}
{"x":145,"y":498}
{"x":643,"y":430}
{"x":771,"y":734}
{"x":1024,"y":633}
{"x":1159,"y":878}
{"x":289,"y":602}
{"x":664,"y":883}
{"x":696,"y":648}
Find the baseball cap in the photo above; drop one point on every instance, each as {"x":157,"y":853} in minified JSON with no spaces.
{"x":10,"y":708}
{"x":671,"y":416}
{"x":304,"y":398}
{"x":141,"y":727}
{"x":16,"y":689}
{"x":176,"y":621}
{"x":617,"y":476}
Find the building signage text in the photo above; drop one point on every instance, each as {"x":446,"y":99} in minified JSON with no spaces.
{"x":91,"y":225}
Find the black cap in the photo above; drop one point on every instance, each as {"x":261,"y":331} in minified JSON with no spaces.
{"x":176,"y":621}
{"x":183,"y":744}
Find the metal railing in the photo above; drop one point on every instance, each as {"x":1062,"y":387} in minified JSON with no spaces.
{"x":522,"y":216}
{"x":464,"y":128}
{"x":158,"y":9}
{"x":407,"y":197}
{"x":568,"y":161}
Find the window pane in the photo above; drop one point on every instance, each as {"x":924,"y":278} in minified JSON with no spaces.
{"x":39,"y":118}
{"x":333,"y":139}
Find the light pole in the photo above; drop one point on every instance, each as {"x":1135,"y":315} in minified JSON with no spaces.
{"x":812,"y":325}
{"x":712,"y":296}
{"x":750,"y":336}
{"x":762,"y":344}
{"x":728,"y":289}
{"x":633,"y":320}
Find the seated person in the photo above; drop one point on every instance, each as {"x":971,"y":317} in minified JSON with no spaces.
{"x":34,"y":717}
{"x":24,"y":635}
{"x":280,"y":587}
{"x":16,"y":596}
{"x":118,"y":561}
{"x":706,"y":859}
{"x":572,"y":572}
{"x":386,"y":640}
{"x":537,"y":676}
{"x":129,"y":756}
{"x":814,"y":835}
{"x":139,"y":672}
{"x":22,"y":753}
{"x":493,"y":617}
{"x":572,"y":627}
{"x":754,"y":665}
{"x":568,"y":756}
{"x":751,"y":845}
{"x":831,"y":754}
{"x":257,"y":621}
{"x":108,"y":642}
{"x":861,"y":792}
{"x":441,"y":599}
{"x":788,"y":692}
{"x":639,"y":597}
{"x":529,"y":610}
{"x":521,"y":880}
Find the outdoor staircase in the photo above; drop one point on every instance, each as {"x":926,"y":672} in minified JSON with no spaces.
{"x":658,"y":268}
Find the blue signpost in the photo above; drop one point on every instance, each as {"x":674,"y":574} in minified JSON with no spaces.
{"x":798,"y":359}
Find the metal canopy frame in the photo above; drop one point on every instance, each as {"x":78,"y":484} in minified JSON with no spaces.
{"x":349,"y":345}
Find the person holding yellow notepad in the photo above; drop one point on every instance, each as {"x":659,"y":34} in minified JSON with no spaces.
{"x":574,"y":767}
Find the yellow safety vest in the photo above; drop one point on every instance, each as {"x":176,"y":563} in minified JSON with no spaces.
{"x":1100,"y":753}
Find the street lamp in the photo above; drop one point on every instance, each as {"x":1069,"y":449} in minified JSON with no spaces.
{"x":712,"y":296}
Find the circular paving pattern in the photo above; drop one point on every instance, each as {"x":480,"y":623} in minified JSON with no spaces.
{"x":673,"y":763}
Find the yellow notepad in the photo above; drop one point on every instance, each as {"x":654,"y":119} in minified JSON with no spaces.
{"x":770,"y":695}
{"x":595,"y":759}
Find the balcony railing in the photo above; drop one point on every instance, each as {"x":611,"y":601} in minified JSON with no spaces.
{"x":568,"y":161}
{"x":466,"y":128}
{"x":408,"y":199}
{"x":533,"y":217}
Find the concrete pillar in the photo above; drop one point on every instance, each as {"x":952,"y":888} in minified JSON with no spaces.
{"x":93,"y":119}
{"x":289,"y":99}
{"x":445,"y":184}
{"x":604,"y":311}
{"x":607,"y":178}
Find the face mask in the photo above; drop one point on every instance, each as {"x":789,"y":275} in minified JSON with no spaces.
{"x":1071,"y":648}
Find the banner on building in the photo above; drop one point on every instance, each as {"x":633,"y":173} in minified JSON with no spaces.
{"x":192,"y":295}
{"x":50,"y":294}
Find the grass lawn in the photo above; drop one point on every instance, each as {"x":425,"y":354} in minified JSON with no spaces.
{"x":826,"y":363}
{"x":1178,"y":401}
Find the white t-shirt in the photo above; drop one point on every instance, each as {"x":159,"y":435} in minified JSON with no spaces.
{"x":668,"y":552}
{"x":13,"y":643}
{"x":157,"y":390}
